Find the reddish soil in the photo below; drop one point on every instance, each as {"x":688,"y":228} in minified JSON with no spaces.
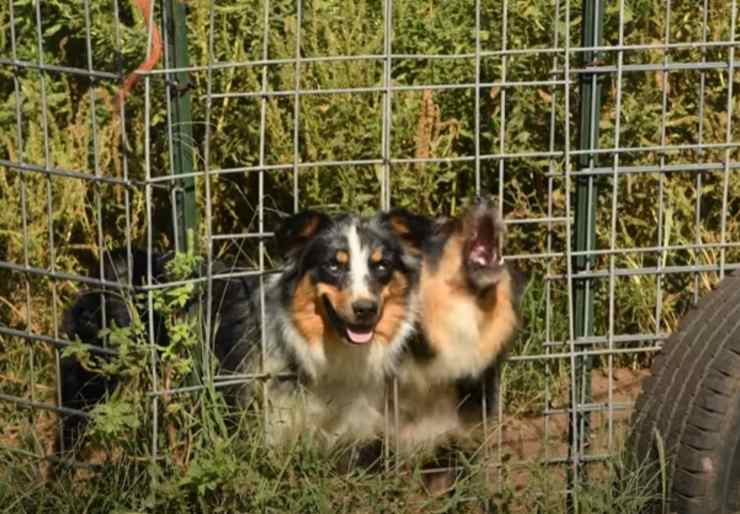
{"x":526,"y":438}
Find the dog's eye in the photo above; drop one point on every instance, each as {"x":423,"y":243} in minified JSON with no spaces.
{"x":334,"y":266}
{"x":382,"y":266}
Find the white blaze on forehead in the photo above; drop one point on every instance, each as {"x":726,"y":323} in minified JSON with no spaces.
{"x":359,"y":271}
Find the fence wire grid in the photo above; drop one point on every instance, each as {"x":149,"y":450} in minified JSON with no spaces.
{"x":606,"y":130}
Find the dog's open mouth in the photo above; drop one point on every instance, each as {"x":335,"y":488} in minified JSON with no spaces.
{"x":352,"y":333}
{"x":483,"y":246}
{"x":360,"y":335}
{"x":482,"y":254}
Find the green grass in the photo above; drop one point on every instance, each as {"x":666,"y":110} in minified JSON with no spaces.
{"x":242,"y":475}
{"x":238,"y":473}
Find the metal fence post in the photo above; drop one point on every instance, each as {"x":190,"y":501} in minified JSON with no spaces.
{"x":585,"y":216}
{"x":181,"y":133}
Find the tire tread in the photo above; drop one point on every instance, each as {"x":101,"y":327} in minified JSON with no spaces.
{"x":692,"y":400}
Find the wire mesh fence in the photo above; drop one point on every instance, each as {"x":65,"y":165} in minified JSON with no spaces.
{"x":605,"y":129}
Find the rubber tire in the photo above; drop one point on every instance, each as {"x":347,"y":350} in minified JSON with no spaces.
{"x":692,"y":399}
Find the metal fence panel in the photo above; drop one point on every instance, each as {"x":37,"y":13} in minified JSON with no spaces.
{"x":613,"y":154}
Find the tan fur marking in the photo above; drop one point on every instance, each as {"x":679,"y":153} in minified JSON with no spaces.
{"x":377,"y":255}
{"x":440,"y":289}
{"x":340,"y":300}
{"x":499,"y":320}
{"x":342,"y":257}
{"x":404,"y":232}
{"x":399,"y":227}
{"x":443,"y":291}
{"x":395,"y":309}
{"x":307,"y":312}
{"x":310,"y":229}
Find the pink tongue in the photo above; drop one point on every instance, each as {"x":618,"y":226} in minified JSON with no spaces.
{"x":359,"y":337}
{"x":480,"y":255}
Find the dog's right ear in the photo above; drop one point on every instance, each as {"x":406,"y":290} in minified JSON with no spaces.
{"x":412,"y":229}
{"x":297,"y":230}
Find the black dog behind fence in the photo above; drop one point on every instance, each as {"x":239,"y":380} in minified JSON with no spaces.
{"x":606,"y":131}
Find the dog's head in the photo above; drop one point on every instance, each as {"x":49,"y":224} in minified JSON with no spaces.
{"x":483,"y":233}
{"x":349,"y":278}
{"x":101,"y":308}
{"x":480,"y":230}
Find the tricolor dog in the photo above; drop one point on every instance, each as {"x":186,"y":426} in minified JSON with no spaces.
{"x":468,"y":314}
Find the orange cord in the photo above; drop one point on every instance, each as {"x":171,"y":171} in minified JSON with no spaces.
{"x":154,"y":54}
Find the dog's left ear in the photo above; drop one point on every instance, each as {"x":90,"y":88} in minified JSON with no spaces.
{"x":412,"y":229}
{"x":297,"y":230}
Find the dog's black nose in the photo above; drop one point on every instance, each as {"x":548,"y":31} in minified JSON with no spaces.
{"x":365,"y":309}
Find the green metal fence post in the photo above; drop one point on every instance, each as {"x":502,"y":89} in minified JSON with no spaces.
{"x":585,"y":209}
{"x":186,"y":214}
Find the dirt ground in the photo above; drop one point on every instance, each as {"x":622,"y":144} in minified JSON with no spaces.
{"x":524,"y":438}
